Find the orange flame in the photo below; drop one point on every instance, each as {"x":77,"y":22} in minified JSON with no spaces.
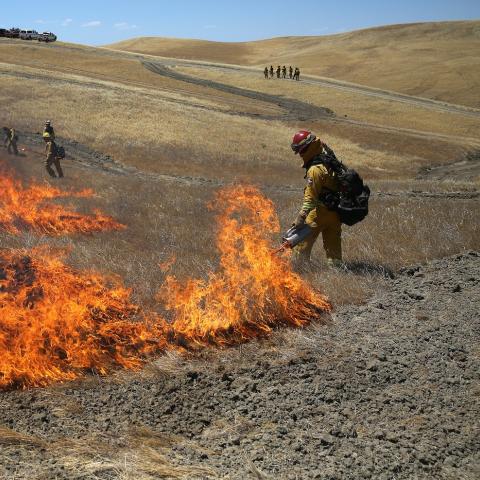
{"x":57,"y":323}
{"x":253,"y":291}
{"x":28,"y":207}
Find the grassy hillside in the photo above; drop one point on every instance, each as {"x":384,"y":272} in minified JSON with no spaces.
{"x":435,"y":60}
{"x":159,"y":152}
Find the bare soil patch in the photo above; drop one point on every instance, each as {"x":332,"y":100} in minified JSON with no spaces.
{"x":385,"y":390}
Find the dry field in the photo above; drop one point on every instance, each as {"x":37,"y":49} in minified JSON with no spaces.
{"x":350,"y":105}
{"x":155,"y":149}
{"x":162,"y":127}
{"x":434,"y":60}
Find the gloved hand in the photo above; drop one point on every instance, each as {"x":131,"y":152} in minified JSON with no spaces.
{"x":300,"y":220}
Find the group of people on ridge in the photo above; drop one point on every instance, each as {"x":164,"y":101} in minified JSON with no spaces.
{"x":282,"y":72}
{"x":53,"y":153}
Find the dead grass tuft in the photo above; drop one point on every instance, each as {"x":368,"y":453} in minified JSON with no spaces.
{"x":149,"y":464}
{"x":170,"y":364}
{"x":9,"y":437}
{"x":256,"y":472}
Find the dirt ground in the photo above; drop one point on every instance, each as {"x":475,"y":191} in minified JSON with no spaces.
{"x":388,"y":390}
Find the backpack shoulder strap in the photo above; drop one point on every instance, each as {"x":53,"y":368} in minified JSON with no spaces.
{"x":329,"y":159}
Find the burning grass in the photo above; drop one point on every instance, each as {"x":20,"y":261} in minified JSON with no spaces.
{"x":57,"y":323}
{"x":22,"y":206}
{"x":253,"y":291}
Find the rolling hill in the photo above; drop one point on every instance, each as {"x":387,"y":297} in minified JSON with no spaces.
{"x":435,"y":60}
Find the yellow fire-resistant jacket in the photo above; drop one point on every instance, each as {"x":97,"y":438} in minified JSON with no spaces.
{"x":50,"y":150}
{"x":318,"y":177}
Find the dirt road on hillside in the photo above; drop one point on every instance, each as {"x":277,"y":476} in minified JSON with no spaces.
{"x":298,"y":110}
{"x":309,"y":79}
{"x":338,"y":85}
{"x":293,"y":109}
{"x":388,"y":390}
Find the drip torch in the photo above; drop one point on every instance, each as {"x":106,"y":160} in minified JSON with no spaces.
{"x":293,"y":236}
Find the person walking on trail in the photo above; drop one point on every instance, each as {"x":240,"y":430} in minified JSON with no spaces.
{"x":52,"y":157}
{"x":271,"y":71}
{"x":284,"y":72}
{"x":290,"y":72}
{"x":296,"y":75}
{"x":49,"y":129}
{"x":265,"y":72}
{"x":314,"y":213}
{"x":278,"y":71}
{"x":12,"y":139}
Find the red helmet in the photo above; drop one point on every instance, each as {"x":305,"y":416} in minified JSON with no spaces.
{"x":301,"y":140}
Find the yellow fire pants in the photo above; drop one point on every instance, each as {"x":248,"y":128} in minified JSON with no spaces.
{"x":324,"y":221}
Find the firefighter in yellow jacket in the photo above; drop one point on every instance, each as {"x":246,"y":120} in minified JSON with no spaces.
{"x":52,"y":157}
{"x":313,"y":212}
{"x":12,"y":139}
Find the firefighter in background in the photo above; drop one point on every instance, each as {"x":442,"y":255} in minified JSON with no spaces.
{"x":313,"y":212}
{"x":278,"y":71}
{"x":49,"y":129}
{"x":290,"y":72}
{"x":265,"y":72}
{"x":296,"y":75}
{"x":52,"y":157}
{"x":271,"y":71}
{"x":12,"y":139}
{"x":284,"y":72}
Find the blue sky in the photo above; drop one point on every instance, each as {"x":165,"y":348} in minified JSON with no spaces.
{"x":105,"y":21}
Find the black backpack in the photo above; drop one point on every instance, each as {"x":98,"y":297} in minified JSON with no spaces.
{"x":60,"y":152}
{"x":351,"y":201}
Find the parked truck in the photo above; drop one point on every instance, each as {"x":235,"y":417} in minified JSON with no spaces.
{"x":13,"y":33}
{"x":28,"y":35}
{"x":47,"y":37}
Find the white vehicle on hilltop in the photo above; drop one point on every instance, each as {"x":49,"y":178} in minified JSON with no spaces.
{"x":29,"y":35}
{"x":47,"y":37}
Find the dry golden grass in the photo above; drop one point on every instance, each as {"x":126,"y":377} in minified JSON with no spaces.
{"x":93,"y":101}
{"x":87,"y":63}
{"x":434,"y":60}
{"x":398,"y":232}
{"x":143,"y":130}
{"x":354,"y":106}
{"x":165,"y":126}
{"x":161,"y":217}
{"x":10,"y":437}
{"x":143,"y":454}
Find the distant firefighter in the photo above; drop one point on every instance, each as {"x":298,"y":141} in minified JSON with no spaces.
{"x":278,"y":71}
{"x":296,"y":75}
{"x":49,"y":129}
{"x":271,"y":71}
{"x":265,"y":72}
{"x":12,"y":139}
{"x":290,"y":72}
{"x":284,"y":72}
{"x":52,"y":156}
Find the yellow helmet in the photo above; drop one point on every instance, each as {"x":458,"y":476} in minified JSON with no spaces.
{"x":46,"y":135}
